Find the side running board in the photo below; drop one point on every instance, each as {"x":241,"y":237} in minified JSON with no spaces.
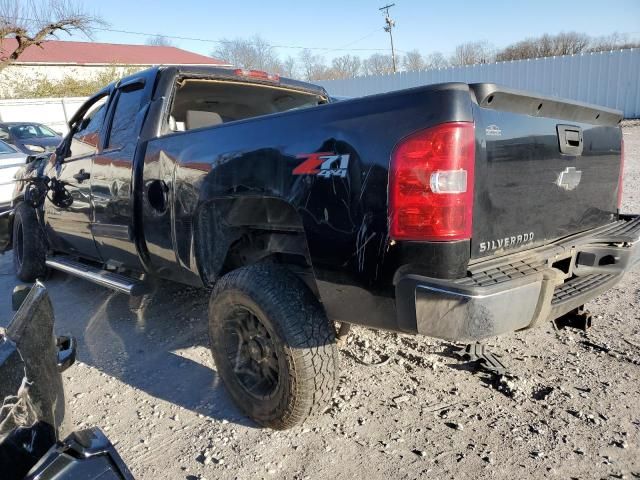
{"x":114,"y":281}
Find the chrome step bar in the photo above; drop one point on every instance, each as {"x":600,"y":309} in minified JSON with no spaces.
{"x":114,"y":281}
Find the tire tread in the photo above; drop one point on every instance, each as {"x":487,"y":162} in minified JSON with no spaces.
{"x":34,"y":247}
{"x":306,"y":330}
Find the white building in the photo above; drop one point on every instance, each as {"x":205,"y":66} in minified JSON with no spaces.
{"x":55,"y":60}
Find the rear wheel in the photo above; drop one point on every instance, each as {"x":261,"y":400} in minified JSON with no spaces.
{"x":273,"y":346}
{"x":29,"y":247}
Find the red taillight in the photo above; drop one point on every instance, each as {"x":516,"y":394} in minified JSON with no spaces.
{"x":621,"y":175}
{"x":431,"y":184}
{"x":259,"y":74}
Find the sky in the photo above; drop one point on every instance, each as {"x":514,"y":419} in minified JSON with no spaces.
{"x":336,"y":27}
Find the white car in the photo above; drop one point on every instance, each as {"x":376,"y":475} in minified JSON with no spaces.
{"x":11,"y":160}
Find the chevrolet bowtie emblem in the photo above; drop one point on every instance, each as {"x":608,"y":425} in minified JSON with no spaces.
{"x":569,"y":178}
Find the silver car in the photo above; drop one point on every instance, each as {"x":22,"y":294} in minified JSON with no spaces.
{"x":11,"y":160}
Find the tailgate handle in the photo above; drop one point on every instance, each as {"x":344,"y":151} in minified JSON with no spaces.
{"x":570,"y":139}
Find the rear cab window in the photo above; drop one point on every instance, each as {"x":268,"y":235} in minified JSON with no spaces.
{"x":207,"y":102}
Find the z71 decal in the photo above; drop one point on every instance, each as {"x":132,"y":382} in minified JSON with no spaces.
{"x":323,"y":164}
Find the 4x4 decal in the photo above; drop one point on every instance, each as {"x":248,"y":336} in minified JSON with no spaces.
{"x":323,"y":164}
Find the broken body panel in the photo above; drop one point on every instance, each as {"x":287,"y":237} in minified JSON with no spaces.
{"x":33,"y":418}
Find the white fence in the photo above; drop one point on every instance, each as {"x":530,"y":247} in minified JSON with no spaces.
{"x":610,"y":79}
{"x":54,"y":112}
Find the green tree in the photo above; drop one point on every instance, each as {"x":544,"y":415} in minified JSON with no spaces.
{"x":14,"y":86}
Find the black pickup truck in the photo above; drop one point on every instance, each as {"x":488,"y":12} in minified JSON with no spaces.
{"x":455,"y":211}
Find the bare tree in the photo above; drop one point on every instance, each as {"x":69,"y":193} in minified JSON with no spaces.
{"x":346,"y":66}
{"x":436,"y":60}
{"x":413,"y":61}
{"x":313,"y":66}
{"x":520,"y":50}
{"x":608,"y":42}
{"x":378,"y":64}
{"x":30,"y":23}
{"x":569,"y":43}
{"x":615,"y":41}
{"x":255,"y":53}
{"x":290,"y":67}
{"x":471,"y":53}
{"x":160,"y":41}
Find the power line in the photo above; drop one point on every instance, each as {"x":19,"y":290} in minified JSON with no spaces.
{"x":360,"y":39}
{"x":209,"y":40}
{"x":295,"y":47}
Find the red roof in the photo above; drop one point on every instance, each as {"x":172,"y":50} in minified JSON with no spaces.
{"x":56,"y":51}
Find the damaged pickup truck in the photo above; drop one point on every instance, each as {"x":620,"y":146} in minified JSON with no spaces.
{"x":455,"y":211}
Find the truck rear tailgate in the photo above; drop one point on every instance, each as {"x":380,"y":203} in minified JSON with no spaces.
{"x":545,"y":169}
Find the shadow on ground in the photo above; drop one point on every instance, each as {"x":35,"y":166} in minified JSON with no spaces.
{"x":149,"y":349}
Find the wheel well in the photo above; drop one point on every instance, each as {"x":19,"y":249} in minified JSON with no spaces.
{"x":6,"y":224}
{"x":231,"y":233}
{"x":6,"y":233}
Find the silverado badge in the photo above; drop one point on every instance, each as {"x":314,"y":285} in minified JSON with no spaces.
{"x":569,"y":178}
{"x":506,"y":242}
{"x":493,"y":131}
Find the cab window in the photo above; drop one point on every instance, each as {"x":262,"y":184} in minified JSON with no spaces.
{"x":86,"y":136}
{"x":122,"y":132}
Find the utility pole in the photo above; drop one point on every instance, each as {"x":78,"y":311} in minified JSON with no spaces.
{"x":387,"y":28}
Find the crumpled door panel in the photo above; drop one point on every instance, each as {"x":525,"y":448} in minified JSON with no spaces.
{"x":32,"y":416}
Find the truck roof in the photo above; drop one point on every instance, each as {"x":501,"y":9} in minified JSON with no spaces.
{"x":206,"y":70}
{"x":229,"y":73}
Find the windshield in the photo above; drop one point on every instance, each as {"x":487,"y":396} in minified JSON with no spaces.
{"x":4,"y":148}
{"x":32,"y":130}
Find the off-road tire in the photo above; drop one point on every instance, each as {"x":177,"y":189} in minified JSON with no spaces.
{"x":302,"y":337}
{"x":29,"y":246}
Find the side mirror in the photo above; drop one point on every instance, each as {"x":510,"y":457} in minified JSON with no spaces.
{"x":67,"y":347}
{"x":62,"y":151}
{"x":31,"y":158}
{"x":19,"y":295}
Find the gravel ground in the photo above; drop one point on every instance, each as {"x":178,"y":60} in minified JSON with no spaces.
{"x":406,"y":406}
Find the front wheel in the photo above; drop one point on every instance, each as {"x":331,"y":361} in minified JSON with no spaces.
{"x":29,"y":246}
{"x":272,"y":344}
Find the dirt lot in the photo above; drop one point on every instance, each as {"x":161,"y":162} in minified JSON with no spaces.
{"x":405,"y":407}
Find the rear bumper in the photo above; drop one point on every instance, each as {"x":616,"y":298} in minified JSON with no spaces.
{"x":521,"y":290}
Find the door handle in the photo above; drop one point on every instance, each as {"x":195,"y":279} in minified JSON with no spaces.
{"x":81,"y":176}
{"x":570,"y":139}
